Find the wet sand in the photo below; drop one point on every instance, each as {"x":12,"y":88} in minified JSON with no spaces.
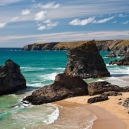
{"x":110,"y":115}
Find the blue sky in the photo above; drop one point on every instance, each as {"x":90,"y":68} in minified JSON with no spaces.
{"x":29,"y":21}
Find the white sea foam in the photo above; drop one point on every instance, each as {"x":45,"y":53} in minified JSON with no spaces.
{"x":53,"y":116}
{"x":119,"y":70}
{"x":50,"y":76}
{"x":111,"y":65}
{"x":31,"y":68}
{"x":35,"y":84}
{"x":74,"y":118}
{"x":34,"y":116}
{"x":117,"y":81}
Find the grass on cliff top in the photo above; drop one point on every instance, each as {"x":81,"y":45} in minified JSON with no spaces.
{"x":69,"y":45}
{"x":123,"y":43}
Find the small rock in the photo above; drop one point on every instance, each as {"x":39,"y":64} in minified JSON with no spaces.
{"x":97,"y":99}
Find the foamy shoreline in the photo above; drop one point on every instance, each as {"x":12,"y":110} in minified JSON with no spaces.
{"x":110,"y":114}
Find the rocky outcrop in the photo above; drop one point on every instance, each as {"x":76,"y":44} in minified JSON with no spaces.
{"x":95,"y":88}
{"x":86,"y":62}
{"x":64,"y":86}
{"x":11,"y":80}
{"x":97,"y":99}
{"x":111,"y":54}
{"x":124,"y":61}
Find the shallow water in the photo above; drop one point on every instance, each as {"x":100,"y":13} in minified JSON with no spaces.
{"x":39,"y":69}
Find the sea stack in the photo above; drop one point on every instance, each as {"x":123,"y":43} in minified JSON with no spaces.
{"x":86,"y":62}
{"x":11,"y":80}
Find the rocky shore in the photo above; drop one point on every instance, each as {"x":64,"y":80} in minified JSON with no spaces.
{"x":84,"y":62}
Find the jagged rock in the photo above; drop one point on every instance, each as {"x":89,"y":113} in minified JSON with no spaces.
{"x":124,"y":61}
{"x":111,"y":55}
{"x":97,"y":99}
{"x":11,"y":80}
{"x":86,"y":62}
{"x":64,"y":86}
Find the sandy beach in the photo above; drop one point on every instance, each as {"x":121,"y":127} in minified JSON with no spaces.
{"x":110,"y":114}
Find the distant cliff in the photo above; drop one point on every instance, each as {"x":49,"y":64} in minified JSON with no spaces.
{"x":119,"y":46}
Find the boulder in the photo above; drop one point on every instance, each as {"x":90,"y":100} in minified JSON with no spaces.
{"x":64,"y":86}
{"x":97,"y":99}
{"x":11,"y":80}
{"x":86,"y":62}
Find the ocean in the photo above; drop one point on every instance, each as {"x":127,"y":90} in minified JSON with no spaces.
{"x":40,"y":68}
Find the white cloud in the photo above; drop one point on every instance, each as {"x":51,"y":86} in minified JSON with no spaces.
{"x":25,"y":12}
{"x":48,"y":24}
{"x":67,"y":36}
{"x":121,"y":15}
{"x":41,"y":28}
{"x":82,"y":22}
{"x":2,"y":25}
{"x":14,"y":19}
{"x":126,"y":22}
{"x":52,"y":24}
{"x":50,"y":5}
{"x":114,"y":21}
{"x":40,"y":15}
{"x":47,"y":21}
{"x":103,"y":20}
{"x":6,"y":2}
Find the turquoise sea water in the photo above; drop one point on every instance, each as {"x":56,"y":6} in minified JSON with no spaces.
{"x":40,"y":68}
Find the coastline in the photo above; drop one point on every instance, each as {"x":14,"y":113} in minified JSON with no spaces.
{"x":109,"y":113}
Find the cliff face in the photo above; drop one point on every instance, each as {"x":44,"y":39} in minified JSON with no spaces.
{"x":86,"y":62}
{"x":119,"y":46}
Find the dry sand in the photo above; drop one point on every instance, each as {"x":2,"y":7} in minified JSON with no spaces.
{"x":110,"y":115}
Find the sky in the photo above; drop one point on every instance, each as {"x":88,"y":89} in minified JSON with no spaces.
{"x":30,"y":21}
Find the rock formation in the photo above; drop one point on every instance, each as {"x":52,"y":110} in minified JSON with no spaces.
{"x":111,"y":55}
{"x":95,"y":88}
{"x":86,"y":62}
{"x":64,"y":86}
{"x":11,"y":80}
{"x":124,"y":61}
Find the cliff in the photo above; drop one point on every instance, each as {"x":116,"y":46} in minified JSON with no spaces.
{"x":119,"y":46}
{"x":86,"y":62}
